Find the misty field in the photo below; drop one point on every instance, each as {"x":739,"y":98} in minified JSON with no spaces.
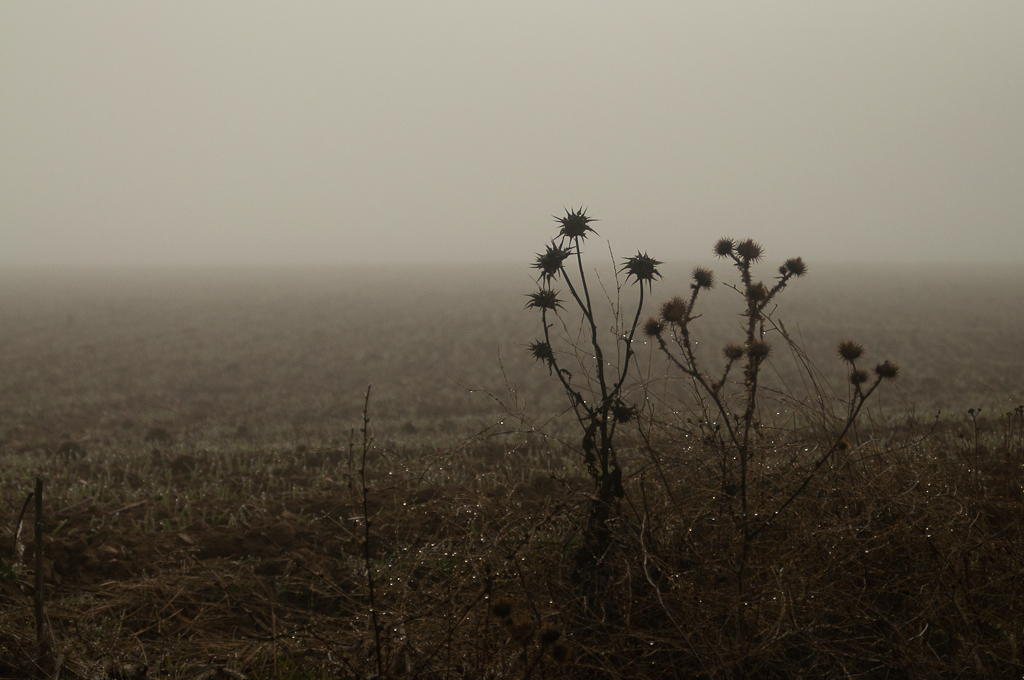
{"x":208,"y":483}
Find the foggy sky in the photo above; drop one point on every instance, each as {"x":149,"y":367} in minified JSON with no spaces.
{"x":321,"y":132}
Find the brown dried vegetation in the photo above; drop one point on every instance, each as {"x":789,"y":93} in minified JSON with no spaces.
{"x":230,"y":551}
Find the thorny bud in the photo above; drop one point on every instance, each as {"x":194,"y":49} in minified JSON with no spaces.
{"x":750,"y":250}
{"x":542,"y":351}
{"x":544,"y":299}
{"x":796,"y":266}
{"x":575,"y":224}
{"x":758,"y":350}
{"x":703,"y":277}
{"x":675,"y":310}
{"x":653,"y":328}
{"x":724,"y":247}
{"x":758,"y":292}
{"x":732,"y":351}
{"x":859,"y":376}
{"x":850,"y":351}
{"x":887,"y":370}
{"x":550,"y":262}
{"x":641,"y":267}
{"x":623,"y":413}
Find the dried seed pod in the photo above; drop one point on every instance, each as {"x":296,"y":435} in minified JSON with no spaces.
{"x":724,"y":247}
{"x":641,"y":267}
{"x":850,"y":351}
{"x":703,"y":277}
{"x":750,"y":250}
{"x":675,"y":310}
{"x":887,"y":370}
{"x":544,"y":299}
{"x":796,"y":266}
{"x":575,"y":224}
{"x":758,"y":350}
{"x":550,"y":262}
{"x":542,"y":351}
{"x":732,"y":351}
{"x":758,"y":292}
{"x":653,"y":328}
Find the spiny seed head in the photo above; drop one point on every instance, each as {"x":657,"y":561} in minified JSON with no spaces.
{"x":795,"y":266}
{"x":560,"y":653}
{"x":758,"y":350}
{"x":724,"y":247}
{"x":703,"y":277}
{"x":575,"y":224}
{"x":843,"y":445}
{"x":653,"y":327}
{"x":758,"y":292}
{"x":750,"y":250}
{"x":550,"y":262}
{"x":502,"y":607}
{"x":859,"y":376}
{"x":544,"y":298}
{"x":675,"y":310}
{"x":549,"y":635}
{"x":849,"y":351}
{"x":623,"y":413}
{"x":542,"y":351}
{"x":641,"y":267}
{"x":732,"y":351}
{"x":887,"y":370}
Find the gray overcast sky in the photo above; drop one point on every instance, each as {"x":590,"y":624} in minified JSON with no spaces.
{"x":252,"y":132}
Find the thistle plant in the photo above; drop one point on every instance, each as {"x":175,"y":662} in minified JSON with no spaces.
{"x":731,"y":403}
{"x":596,"y":395}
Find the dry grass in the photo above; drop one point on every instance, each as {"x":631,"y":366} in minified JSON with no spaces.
{"x":903,"y":559}
{"x":232,"y":545}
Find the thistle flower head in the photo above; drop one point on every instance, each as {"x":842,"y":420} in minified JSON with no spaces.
{"x":675,"y":310}
{"x":545,"y":298}
{"x":623,"y":413}
{"x":550,"y":262}
{"x":724,"y":247}
{"x":887,"y":370}
{"x":542,"y":351}
{"x":641,"y":267}
{"x":758,"y":350}
{"x":795,"y":266}
{"x":653,"y":327}
{"x":749,"y":250}
{"x":849,"y":351}
{"x":732,"y":351}
{"x":575,"y":224}
{"x":703,"y":278}
{"x":859,"y":376}
{"x":758,"y":292}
